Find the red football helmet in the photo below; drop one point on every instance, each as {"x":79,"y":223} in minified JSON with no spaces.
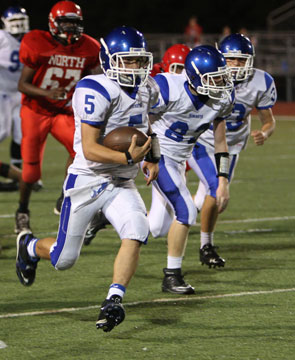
{"x":157,"y":68}
{"x":174,"y":57}
{"x":65,"y":22}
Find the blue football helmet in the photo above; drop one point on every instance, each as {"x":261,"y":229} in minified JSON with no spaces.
{"x":15,"y":20}
{"x":239,"y":46}
{"x":125,"y":44}
{"x":207,"y":72}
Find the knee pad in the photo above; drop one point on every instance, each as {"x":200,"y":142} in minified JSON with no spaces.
{"x":159,"y":229}
{"x":200,"y":195}
{"x":136,"y":227}
{"x":188,"y":217}
{"x":64,"y":264}
{"x":63,"y":257}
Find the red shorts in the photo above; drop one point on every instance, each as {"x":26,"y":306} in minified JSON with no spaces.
{"x":35,"y":128}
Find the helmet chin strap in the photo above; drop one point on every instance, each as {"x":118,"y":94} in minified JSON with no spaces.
{"x":66,"y":38}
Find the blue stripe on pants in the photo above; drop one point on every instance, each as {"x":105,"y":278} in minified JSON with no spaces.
{"x":207,"y":167}
{"x":63,"y":222}
{"x":170,"y":189}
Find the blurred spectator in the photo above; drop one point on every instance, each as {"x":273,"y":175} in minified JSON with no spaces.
{"x":226,"y":30}
{"x":245,"y":32}
{"x":193,"y":32}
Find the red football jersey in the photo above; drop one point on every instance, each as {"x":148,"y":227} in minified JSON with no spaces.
{"x":56,"y":66}
{"x":157,"y":68}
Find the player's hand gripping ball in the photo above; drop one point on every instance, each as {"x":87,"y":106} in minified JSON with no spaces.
{"x":120,"y":138}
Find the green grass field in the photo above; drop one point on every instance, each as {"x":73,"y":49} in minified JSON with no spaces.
{"x":244,"y":311}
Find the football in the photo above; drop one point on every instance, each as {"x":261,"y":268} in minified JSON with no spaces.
{"x":119,"y":139}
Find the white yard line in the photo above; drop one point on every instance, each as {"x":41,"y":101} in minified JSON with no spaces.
{"x":282,"y":218}
{"x":156,"y":301}
{"x":278,"y":218}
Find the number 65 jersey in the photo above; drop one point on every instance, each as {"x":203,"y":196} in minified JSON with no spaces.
{"x":259,"y":92}
{"x":184,"y":116}
{"x":56,"y":66}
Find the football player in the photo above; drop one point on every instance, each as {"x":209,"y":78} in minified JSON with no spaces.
{"x":15,"y":24}
{"x":254,"y":88}
{"x":172,"y":62}
{"x":102,"y":179}
{"x":189,"y":104}
{"x":54,"y":62}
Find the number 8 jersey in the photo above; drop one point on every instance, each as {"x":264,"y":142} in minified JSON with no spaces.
{"x":184,"y":116}
{"x":56,"y":66}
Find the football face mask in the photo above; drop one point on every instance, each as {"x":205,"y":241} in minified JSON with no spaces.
{"x":130,"y":68}
{"x":244,"y":68}
{"x":69,"y":29}
{"x":217,"y":85}
{"x":239,"y":53}
{"x":16,"y":21}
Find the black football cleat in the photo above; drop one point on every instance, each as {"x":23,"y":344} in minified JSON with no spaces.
{"x":209,"y":256}
{"x":22,"y":222}
{"x":97,"y":223}
{"x":111,"y":314}
{"x":58,"y":205}
{"x":174,"y":283}
{"x":8,"y":186}
{"x":38,"y":185}
{"x":25,"y":265}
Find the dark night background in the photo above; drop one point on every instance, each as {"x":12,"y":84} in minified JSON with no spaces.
{"x":158,"y":16}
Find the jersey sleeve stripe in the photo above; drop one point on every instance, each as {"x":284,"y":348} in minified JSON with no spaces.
{"x":198,"y":104}
{"x":264,"y":107}
{"x":164,"y":87}
{"x":94,"y":85}
{"x":268,"y":80}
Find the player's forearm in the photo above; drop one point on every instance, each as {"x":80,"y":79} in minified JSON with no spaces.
{"x":220,"y":144}
{"x":102,"y":154}
{"x":268,"y":128}
{"x":268,"y":122}
{"x":222,"y":194}
{"x":31,"y":90}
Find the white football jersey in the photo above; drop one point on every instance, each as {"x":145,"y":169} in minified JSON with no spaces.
{"x":259,"y":92}
{"x":183,"y":116}
{"x":10,"y":66}
{"x":100,"y":101}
